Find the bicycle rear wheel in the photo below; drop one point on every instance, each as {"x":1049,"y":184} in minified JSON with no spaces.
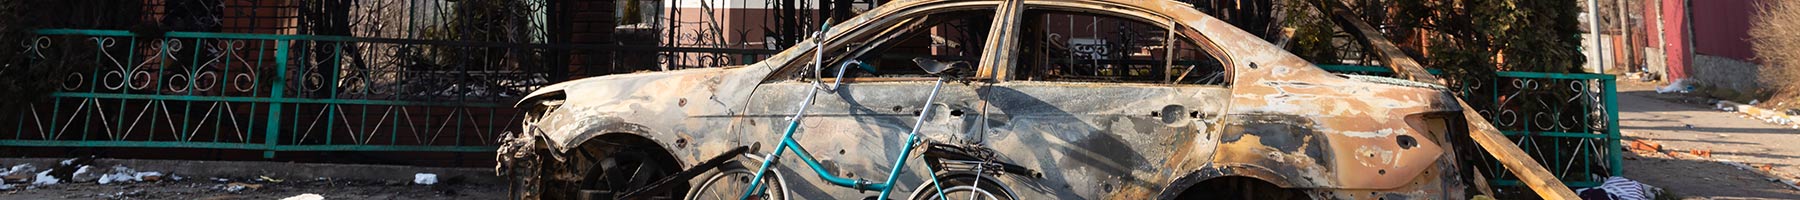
{"x":732,"y":178}
{"x":964,"y":188}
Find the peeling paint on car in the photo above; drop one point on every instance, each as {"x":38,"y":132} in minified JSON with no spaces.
{"x":1283,"y":121}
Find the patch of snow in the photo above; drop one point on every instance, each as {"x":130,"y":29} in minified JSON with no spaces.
{"x":425,"y":178}
{"x":307,"y":196}
{"x":110,"y":178}
{"x":122,"y":174}
{"x":86,"y":173}
{"x":44,"y":178}
{"x":6,"y":187}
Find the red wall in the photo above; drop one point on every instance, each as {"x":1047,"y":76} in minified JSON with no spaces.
{"x":1675,"y":34}
{"x":1721,"y":27}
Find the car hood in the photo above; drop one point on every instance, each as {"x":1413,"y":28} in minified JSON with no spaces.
{"x":638,"y":102}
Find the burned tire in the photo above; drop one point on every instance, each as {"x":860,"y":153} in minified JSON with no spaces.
{"x":964,"y":188}
{"x":731,"y":179}
{"x":623,"y":172}
{"x":1246,"y":188}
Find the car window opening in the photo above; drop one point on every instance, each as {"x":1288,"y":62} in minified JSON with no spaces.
{"x":945,"y":37}
{"x":1086,"y":47}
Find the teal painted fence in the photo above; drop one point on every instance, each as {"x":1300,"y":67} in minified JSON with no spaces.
{"x":277,"y":92}
{"x":271,"y":93}
{"x":1567,"y":121}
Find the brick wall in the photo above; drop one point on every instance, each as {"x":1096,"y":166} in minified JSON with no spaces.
{"x":1720,"y":72}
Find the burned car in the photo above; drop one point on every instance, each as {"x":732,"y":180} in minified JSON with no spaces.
{"x":1113,"y":99}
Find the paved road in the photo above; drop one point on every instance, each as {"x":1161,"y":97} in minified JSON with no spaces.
{"x":1664,"y":118}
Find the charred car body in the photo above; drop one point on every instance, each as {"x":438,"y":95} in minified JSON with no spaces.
{"x":1116,"y":99}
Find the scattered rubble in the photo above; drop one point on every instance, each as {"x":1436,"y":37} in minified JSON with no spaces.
{"x":238,"y":186}
{"x":76,"y":170}
{"x":1643,"y":145}
{"x":1701,"y":153}
{"x":149,"y":176}
{"x":18,"y":173}
{"x":267,"y":179}
{"x":124,"y":194}
{"x":122,"y":174}
{"x":81,"y":179}
{"x":1650,"y":148}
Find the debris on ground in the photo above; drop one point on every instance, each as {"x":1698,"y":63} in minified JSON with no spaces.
{"x":425,"y":178}
{"x":1767,"y":174}
{"x":101,"y":179}
{"x":238,"y":186}
{"x":18,"y":173}
{"x":122,"y":174}
{"x":1701,"y":153}
{"x":307,"y":196}
{"x":1620,"y":188}
{"x":124,"y":194}
{"x":267,"y":179}
{"x":149,"y":176}
{"x":1680,"y":85}
{"x":1641,"y":76}
{"x":1645,"y":146}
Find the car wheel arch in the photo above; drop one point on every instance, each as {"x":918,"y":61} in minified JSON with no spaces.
{"x":1186,"y":182}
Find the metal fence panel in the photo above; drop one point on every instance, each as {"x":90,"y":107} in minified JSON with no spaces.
{"x":1567,"y":121}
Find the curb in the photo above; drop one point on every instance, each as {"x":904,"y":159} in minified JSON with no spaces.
{"x":1767,"y":115}
{"x":279,"y":170}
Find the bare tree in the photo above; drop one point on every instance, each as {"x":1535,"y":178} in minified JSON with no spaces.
{"x":1775,"y":36}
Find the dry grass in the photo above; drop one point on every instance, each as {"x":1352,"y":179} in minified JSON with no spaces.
{"x":1775,"y":36}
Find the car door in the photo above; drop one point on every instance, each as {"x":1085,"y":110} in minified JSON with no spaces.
{"x":1105,"y":103}
{"x":857,"y":129}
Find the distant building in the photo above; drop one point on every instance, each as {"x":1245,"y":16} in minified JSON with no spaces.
{"x":1703,"y":40}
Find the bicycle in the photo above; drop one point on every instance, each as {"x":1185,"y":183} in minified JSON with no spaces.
{"x":950,"y":158}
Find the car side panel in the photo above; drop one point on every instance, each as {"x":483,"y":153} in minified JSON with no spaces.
{"x":1101,"y":140}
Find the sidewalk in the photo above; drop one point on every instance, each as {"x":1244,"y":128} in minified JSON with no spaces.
{"x":181,"y":179}
{"x":1683,"y":126}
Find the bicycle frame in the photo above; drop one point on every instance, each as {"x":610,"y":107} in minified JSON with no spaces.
{"x":787,"y":139}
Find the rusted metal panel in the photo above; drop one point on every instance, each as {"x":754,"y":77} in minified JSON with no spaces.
{"x":1486,"y":136}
